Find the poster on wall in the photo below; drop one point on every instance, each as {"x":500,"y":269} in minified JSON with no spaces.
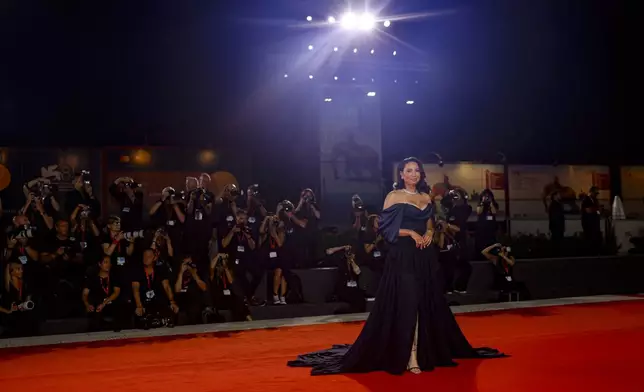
{"x":531,"y":186}
{"x":633,"y":190}
{"x":470,"y":177}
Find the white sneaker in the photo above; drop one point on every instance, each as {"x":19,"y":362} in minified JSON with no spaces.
{"x":276,"y":300}
{"x":282,"y":301}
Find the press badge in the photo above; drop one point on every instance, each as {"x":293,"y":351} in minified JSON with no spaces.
{"x":376,"y":253}
{"x":490,"y":217}
{"x":352,"y":283}
{"x":23,"y":259}
{"x":508,"y":278}
{"x":170,"y":223}
{"x":149,"y":294}
{"x":120,"y":261}
{"x":272,"y":255}
{"x":226,"y":292}
{"x":240,"y":249}
{"x":126,"y":209}
{"x":237,"y":261}
{"x":252,"y":219}
{"x":229,"y":218}
{"x":83,"y":245}
{"x":198,"y":215}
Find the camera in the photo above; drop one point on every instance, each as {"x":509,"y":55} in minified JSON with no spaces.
{"x":308,"y":198}
{"x":156,"y":321}
{"x":207,"y":196}
{"x":440,"y":226}
{"x":85,"y":177}
{"x":357,"y":203}
{"x":25,"y":231}
{"x":85,"y":212}
{"x":253,"y":190}
{"x":133,"y":234}
{"x":161,"y":232}
{"x":27,"y":305}
{"x":286,"y":206}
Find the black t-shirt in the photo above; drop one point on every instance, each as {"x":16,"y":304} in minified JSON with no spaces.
{"x":101,"y":288}
{"x":487,"y":215}
{"x":131,"y":211}
{"x":592,"y":217}
{"x":312,"y":221}
{"x":369,"y":237}
{"x":88,"y":245}
{"x":119,"y":257}
{"x":69,"y":244}
{"x":166,"y":217}
{"x":556,"y":213}
{"x":19,"y":254}
{"x":189,"y":285}
{"x":238,"y":248}
{"x":151,"y":284}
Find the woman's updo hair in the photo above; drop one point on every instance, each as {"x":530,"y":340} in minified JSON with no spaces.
{"x":422,"y":184}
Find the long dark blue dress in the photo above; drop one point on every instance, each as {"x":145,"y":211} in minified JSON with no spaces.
{"x":410,"y":290}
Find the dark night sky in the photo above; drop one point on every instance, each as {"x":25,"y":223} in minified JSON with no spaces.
{"x":544,"y":80}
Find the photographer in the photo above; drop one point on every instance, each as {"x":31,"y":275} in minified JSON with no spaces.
{"x":118,"y":247}
{"x":198,"y":230}
{"x":65,"y":270}
{"x":556,"y":220}
{"x":82,"y":194}
{"x":164,"y":248}
{"x":168,"y":213}
{"x":86,"y":232}
{"x":591,"y":220}
{"x":129,"y":195}
{"x":35,"y":210}
{"x":226,"y":293}
{"x":486,"y":225}
{"x":374,"y":251}
{"x":347,"y":288}
{"x":191,"y":292}
{"x":272,"y":236}
{"x":153,"y":294}
{"x":239,"y":245}
{"x":101,"y":298}
{"x":503,"y":262}
{"x":21,"y":248}
{"x":43,"y":189}
{"x":360,"y":213}
{"x":452,"y":241}
{"x":306,"y":218}
{"x":17,"y":315}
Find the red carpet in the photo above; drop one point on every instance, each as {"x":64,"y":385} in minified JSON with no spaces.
{"x":597,"y":347}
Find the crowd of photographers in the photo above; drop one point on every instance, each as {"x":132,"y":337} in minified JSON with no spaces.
{"x":198,"y":258}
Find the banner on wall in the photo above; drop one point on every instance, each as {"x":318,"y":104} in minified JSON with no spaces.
{"x":531,"y":185}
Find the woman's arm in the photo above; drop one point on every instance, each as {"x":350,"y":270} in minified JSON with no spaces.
{"x":486,"y":252}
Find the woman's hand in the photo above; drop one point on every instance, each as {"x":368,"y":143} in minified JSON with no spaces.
{"x":427,"y":239}
{"x":417,"y":238}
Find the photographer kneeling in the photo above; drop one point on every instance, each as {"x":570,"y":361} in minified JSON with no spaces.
{"x":347,"y":288}
{"x":101,"y":298}
{"x":191,"y":292}
{"x":17,"y":315}
{"x":226,"y":293}
{"x":503,"y":261}
{"x":153,"y":296}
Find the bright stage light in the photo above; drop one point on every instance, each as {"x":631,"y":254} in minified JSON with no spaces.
{"x":372,"y":51}
{"x":367,"y":21}
{"x":355,"y":50}
{"x":327,"y":100}
{"x":309,"y":18}
{"x":335,"y":48}
{"x":310,"y":76}
{"x":394,"y":53}
{"x":349,"y":21}
{"x":310,"y":47}
{"x":353,"y":79}
{"x":331,"y":20}
{"x":286,"y":75}
{"x":409,"y":102}
{"x":335,"y":78}
{"x":371,"y":94}
{"x":387,"y":23}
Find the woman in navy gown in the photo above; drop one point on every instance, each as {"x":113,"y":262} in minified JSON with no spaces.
{"x":411,"y":327}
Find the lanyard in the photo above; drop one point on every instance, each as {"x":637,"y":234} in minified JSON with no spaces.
{"x":223,"y":279}
{"x":272,"y":243}
{"x":106,"y":287}
{"x":150,"y":278}
{"x":21,"y":250}
{"x":19,"y":290}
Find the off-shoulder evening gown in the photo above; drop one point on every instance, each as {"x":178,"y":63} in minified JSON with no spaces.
{"x":410,"y":292}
